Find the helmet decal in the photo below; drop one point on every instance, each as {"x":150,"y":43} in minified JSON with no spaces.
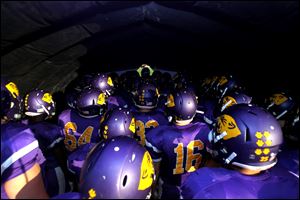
{"x":12,"y":88}
{"x":147,"y":172}
{"x":132,"y":125}
{"x":229,"y":101}
{"x":92,"y":193}
{"x":278,"y":99}
{"x":170,"y":102}
{"x":101,"y":99}
{"x":105,"y":132}
{"x":47,"y":98}
{"x":26,"y":101}
{"x":227,"y":123}
{"x":223,"y":80}
{"x":109,"y":81}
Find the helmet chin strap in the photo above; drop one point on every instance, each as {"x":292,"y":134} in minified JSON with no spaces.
{"x":250,"y":167}
{"x":183,"y":122}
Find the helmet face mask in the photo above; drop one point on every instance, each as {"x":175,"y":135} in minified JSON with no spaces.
{"x":122,"y":165}
{"x":247,"y":136}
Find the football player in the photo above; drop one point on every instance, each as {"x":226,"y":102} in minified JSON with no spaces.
{"x":104,"y":83}
{"x":178,"y":148}
{"x":81,"y":126}
{"x":117,"y":168}
{"x":39,"y":106}
{"x":147,"y":116}
{"x":115,"y":122}
{"x":20,"y":153}
{"x":245,"y":142}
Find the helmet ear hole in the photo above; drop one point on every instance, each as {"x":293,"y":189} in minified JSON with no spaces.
{"x":124,"y":181}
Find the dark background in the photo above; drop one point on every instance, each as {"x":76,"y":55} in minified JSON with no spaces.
{"x":46,"y":44}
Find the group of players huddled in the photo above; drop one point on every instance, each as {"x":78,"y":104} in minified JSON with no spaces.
{"x":148,"y":134}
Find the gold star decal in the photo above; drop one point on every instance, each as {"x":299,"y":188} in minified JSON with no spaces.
{"x":267,"y":134}
{"x":266,"y":151}
{"x":259,"y":143}
{"x":268,"y":142}
{"x":258,"y":135}
{"x":258,"y":151}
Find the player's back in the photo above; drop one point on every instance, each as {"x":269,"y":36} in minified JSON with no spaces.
{"x":213,"y":183}
{"x":180,"y":148}
{"x":145,"y":121}
{"x":78,"y":130}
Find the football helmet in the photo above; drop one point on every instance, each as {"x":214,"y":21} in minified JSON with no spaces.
{"x":146,"y":96}
{"x":280,"y":104}
{"x":117,"y":122}
{"x":75,"y":87}
{"x":91,"y":102}
{"x":182,"y":104}
{"x":234,"y":98}
{"x":246,"y":136}
{"x":104,"y":83}
{"x":224,"y":85}
{"x":10,"y":100}
{"x":38,"y":102}
{"x":117,"y":168}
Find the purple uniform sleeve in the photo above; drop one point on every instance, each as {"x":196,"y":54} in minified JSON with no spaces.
{"x":19,"y":150}
{"x":154,"y":143}
{"x":47,"y":134}
{"x":77,"y":158}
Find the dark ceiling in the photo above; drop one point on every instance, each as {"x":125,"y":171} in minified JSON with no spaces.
{"x":46,"y":43}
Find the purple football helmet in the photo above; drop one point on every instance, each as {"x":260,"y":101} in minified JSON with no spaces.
{"x":146,"y":96}
{"x":38,"y":102}
{"x":104,"y":83}
{"x":182,"y":104}
{"x":91,"y":102}
{"x":246,"y":136}
{"x":10,"y":100}
{"x":280,"y":105}
{"x":234,"y":98}
{"x":75,"y":87}
{"x":117,"y":168}
{"x":117,"y":122}
{"x":225,"y":84}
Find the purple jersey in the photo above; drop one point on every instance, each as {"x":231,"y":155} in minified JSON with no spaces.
{"x":144,"y":122}
{"x":181,"y":149}
{"x":69,"y":195}
{"x":46,"y":133}
{"x":19,"y":151}
{"x":215,"y":183}
{"x":77,"y":158}
{"x":78,"y":130}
